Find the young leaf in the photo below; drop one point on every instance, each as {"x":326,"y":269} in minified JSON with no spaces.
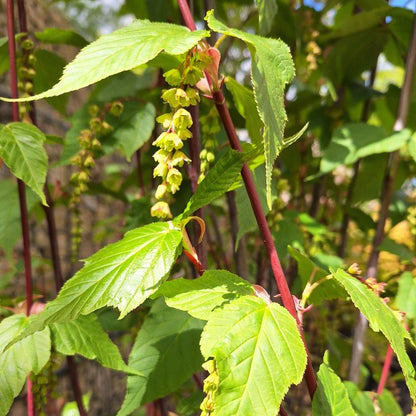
{"x":331,"y":397}
{"x":200,"y":296}
{"x":381,"y":318}
{"x":27,"y":355}
{"x":122,"y":50}
{"x":258,"y":353}
{"x":166,"y":352}
{"x":122,"y":275}
{"x":271,"y":69}
{"x":217,"y":182}
{"x":21,"y":148}
{"x":85,"y":336}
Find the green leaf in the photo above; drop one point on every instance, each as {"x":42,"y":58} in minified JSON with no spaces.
{"x":353,"y":54}
{"x":28,"y":355}
{"x":200,"y":296}
{"x":166,"y":352}
{"x":361,"y":400}
{"x":61,"y":36}
{"x":10,"y":224}
{"x":85,"y":336}
{"x":406,"y":295}
{"x":4,"y":55}
{"x":49,"y":68}
{"x":331,"y":397}
{"x":388,"y":404}
{"x":354,"y":141}
{"x":218,"y":181}
{"x":122,"y":275}
{"x":21,"y":148}
{"x":122,"y":50}
{"x":393,"y":247}
{"x":71,"y":408}
{"x":381,"y":318}
{"x":135,"y":129}
{"x":359,"y":22}
{"x":271,"y":69}
{"x":267,"y":12}
{"x":247,"y":108}
{"x":258,"y":353}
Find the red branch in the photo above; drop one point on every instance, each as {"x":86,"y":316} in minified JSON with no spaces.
{"x":386,"y":369}
{"x":283,"y":287}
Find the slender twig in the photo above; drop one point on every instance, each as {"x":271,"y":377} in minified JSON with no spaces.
{"x":386,"y":369}
{"x":385,"y":200}
{"x":282,"y":411}
{"x":73,"y":375}
{"x":282,"y":285}
{"x":21,"y":188}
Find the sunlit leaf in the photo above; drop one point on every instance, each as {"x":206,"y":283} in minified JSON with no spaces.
{"x":331,"y":397}
{"x":200,"y":296}
{"x":271,"y":69}
{"x":122,"y":50}
{"x":218,"y":181}
{"x":29,"y":354}
{"x":122,"y":275}
{"x":381,"y":318}
{"x":258,"y":353}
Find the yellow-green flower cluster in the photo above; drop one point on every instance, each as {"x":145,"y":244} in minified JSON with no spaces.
{"x":26,"y":74}
{"x":84,"y":161}
{"x":210,"y":388}
{"x":176,"y":123}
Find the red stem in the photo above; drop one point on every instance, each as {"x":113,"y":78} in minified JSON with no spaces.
{"x":386,"y":369}
{"x":281,"y":282}
{"x":186,"y":14}
{"x":75,"y":385}
{"x":21,"y":186}
{"x":282,"y":411}
{"x":49,"y":213}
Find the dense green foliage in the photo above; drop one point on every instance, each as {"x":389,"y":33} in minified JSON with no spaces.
{"x":320,"y":98}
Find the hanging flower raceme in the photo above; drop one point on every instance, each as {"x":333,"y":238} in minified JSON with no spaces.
{"x":176,"y":123}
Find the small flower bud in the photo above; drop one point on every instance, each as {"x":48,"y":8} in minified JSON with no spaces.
{"x":93,"y":110}
{"x":116,"y":108}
